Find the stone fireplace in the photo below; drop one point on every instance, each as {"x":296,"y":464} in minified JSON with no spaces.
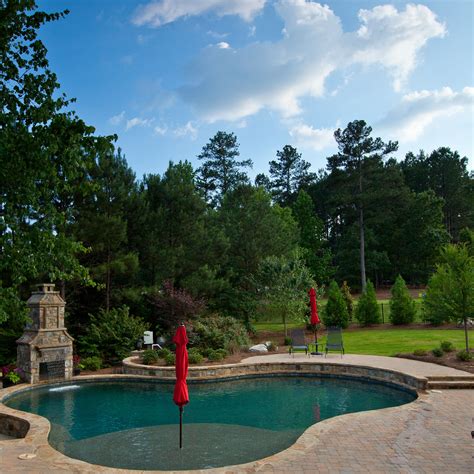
{"x":45,"y":349}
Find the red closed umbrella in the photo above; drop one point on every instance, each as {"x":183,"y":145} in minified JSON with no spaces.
{"x":180,"y":395}
{"x":314,"y":307}
{"x":314,"y":317}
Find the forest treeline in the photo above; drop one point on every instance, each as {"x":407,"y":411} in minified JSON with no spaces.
{"x":73,"y":212}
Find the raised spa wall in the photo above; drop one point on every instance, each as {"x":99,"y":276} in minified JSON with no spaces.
{"x":131,"y":367}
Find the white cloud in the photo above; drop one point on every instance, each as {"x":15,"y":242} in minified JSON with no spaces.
{"x":419,"y":109}
{"x":117,"y":119}
{"x":138,"y":122}
{"x":394,"y":38}
{"x":187,"y":130}
{"x":158,"y":13}
{"x":314,"y":138}
{"x":276,"y":75}
{"x":217,"y":35}
{"x":161,"y":130}
{"x":223,"y":45}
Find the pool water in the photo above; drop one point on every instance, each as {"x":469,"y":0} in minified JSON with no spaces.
{"x":135,"y":424}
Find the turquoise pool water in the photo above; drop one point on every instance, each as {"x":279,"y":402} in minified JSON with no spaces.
{"x":134,"y":424}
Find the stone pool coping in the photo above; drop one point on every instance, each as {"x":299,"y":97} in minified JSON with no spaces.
{"x":48,"y":459}
{"x":297,"y":366}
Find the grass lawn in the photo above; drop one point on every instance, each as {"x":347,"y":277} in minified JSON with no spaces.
{"x":388,"y":342}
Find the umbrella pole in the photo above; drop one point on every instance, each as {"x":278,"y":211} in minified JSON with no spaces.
{"x":180,"y":427}
{"x":316,"y":351}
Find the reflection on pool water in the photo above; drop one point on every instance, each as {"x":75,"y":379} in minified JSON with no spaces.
{"x":134,"y":424}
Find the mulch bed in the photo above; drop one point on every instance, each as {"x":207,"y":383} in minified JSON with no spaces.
{"x":448,"y":360}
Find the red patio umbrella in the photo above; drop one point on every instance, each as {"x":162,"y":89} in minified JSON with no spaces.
{"x":180,"y":395}
{"x":314,"y":316}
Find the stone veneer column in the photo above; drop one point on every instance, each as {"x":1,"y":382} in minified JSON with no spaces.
{"x":45,"y":339}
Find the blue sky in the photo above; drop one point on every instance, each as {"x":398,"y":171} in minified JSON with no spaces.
{"x":166,"y":75}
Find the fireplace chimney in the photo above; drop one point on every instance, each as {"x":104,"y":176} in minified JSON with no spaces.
{"x":44,"y":350}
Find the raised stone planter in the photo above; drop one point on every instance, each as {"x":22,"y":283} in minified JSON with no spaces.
{"x":310,"y":367}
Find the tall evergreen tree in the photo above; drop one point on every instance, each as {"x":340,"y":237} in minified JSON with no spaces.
{"x":256,"y":229}
{"x":357,"y":150}
{"x":44,"y":149}
{"x":221,"y":171}
{"x":445,"y":173}
{"x":181,"y":235}
{"x":102,"y":224}
{"x":288,"y":174}
{"x":316,"y":255}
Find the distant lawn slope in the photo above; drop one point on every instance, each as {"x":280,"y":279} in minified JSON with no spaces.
{"x":388,"y":342}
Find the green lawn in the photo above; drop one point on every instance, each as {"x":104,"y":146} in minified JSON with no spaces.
{"x":389,"y":342}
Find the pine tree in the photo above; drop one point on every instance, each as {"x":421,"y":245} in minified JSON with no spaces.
{"x":367,"y":311}
{"x":335,"y":313}
{"x":221,"y":171}
{"x":317,"y":257}
{"x":357,"y":151}
{"x":288,"y":174}
{"x":402,"y":306}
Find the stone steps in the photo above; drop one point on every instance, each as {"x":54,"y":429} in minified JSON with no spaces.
{"x":451,"y":384}
{"x":452,"y":378}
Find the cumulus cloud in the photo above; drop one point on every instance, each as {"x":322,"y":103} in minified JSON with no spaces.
{"x":223,"y":45}
{"x":138,"y":122}
{"x":160,"y":130}
{"x":158,"y":13}
{"x":230,"y":84}
{"x":314,"y":138}
{"x":187,"y":130}
{"x":394,"y":38}
{"x":117,"y":119}
{"x":419,"y":109}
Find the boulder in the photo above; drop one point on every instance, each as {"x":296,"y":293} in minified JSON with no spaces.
{"x":259,"y":348}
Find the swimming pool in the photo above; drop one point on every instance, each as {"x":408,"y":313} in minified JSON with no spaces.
{"x":134,"y":424}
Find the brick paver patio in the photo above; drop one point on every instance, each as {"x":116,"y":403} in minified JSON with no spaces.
{"x":430,"y":435}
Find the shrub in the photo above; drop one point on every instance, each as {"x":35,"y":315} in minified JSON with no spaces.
{"x":169,"y":359}
{"x":402,"y":306}
{"x":367,"y":311}
{"x":92,"y":363}
{"x":335,"y":313}
{"x":150,"y":356}
{"x":218,"y":332}
{"x":216,"y":354}
{"x":194,"y":356}
{"x":450,"y":292}
{"x":287,"y":341}
{"x":420,"y":352}
{"x":346,"y":294}
{"x":464,"y":355}
{"x":271,"y":346}
{"x":111,"y":335}
{"x":162,"y":353}
{"x":437,"y":352}
{"x":172,"y":305}
{"x":447,"y":346}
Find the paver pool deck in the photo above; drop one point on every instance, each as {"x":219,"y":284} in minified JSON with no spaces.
{"x":430,"y":435}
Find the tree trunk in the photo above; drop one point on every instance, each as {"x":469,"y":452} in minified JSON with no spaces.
{"x":284,"y":323}
{"x":466,"y":334}
{"x":62,"y":289}
{"x":362,"y":250}
{"x":107,"y":284}
{"x":363,"y":279}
